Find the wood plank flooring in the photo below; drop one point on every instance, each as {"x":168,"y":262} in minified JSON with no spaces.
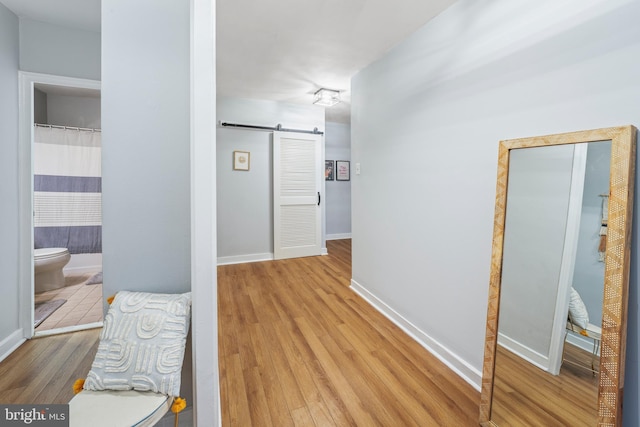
{"x":525,"y":392}
{"x":298,"y":348}
{"x":43,"y":370}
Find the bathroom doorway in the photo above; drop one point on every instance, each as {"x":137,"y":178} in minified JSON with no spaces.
{"x":61,"y":137}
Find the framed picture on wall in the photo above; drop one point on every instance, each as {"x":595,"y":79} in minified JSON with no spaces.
{"x":241,"y":160}
{"x":329,"y":171}
{"x":343,"y":170}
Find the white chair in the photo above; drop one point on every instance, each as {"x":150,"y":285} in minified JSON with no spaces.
{"x":117,"y":408}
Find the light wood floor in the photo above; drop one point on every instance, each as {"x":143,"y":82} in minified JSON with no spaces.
{"x":43,"y":370}
{"x":525,"y":392}
{"x":298,"y":348}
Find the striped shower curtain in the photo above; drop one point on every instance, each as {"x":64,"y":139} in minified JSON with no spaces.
{"x":67,"y":189}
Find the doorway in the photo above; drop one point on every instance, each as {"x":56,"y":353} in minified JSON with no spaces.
{"x":60,"y":193}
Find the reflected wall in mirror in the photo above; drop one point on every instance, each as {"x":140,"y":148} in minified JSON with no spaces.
{"x":556,"y":323}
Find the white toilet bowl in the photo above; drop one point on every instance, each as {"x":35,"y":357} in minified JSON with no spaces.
{"x":48,"y":263}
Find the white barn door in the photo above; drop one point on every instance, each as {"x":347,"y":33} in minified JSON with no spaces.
{"x":297,"y":173}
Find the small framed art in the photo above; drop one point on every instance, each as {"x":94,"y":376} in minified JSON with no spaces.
{"x":329,"y":171}
{"x":241,"y":160}
{"x":343,"y":170}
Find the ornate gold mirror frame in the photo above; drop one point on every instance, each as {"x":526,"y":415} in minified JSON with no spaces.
{"x":616,"y":269}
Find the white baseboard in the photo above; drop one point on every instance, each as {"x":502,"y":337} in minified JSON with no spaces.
{"x":83,"y":270}
{"x":241,"y":259}
{"x":583,"y":343}
{"x":10,"y":343}
{"x":338,"y":236}
{"x":83,"y":263}
{"x":470,"y":374}
{"x":528,"y":354}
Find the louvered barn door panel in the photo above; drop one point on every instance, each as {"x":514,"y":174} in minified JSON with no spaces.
{"x":296,"y":188}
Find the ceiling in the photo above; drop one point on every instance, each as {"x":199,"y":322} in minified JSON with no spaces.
{"x":67,"y":91}
{"x":281,"y":50}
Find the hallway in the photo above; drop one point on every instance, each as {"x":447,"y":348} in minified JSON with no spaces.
{"x":299,"y":348}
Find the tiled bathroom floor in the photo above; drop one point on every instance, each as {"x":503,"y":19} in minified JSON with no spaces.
{"x":83,"y":306}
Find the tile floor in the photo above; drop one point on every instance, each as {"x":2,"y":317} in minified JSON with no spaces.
{"x":84,"y":303}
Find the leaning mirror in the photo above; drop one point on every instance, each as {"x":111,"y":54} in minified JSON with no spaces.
{"x":556,"y":321}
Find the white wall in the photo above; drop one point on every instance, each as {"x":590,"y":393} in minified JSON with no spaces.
{"x":588,"y":278}
{"x":78,"y":111}
{"x":426,"y":121}
{"x":338,"y":198}
{"x":9,"y":242}
{"x":52,"y":49}
{"x":39,"y":106}
{"x":245,"y":199}
{"x":146,"y":148}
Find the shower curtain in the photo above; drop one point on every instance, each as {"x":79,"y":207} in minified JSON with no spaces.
{"x":67,"y":189}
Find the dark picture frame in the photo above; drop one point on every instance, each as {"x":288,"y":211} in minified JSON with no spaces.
{"x":329,"y":170}
{"x":343,"y":170}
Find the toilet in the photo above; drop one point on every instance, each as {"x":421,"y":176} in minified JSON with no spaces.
{"x":48,"y":264}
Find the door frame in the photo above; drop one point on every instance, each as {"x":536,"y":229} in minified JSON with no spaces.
{"x":204,"y":278}
{"x":26,"y":82}
{"x":567,"y":266}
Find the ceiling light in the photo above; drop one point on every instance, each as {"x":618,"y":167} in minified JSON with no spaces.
{"x":326,"y":97}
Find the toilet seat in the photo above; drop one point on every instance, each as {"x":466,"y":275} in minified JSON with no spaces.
{"x":45,"y":253}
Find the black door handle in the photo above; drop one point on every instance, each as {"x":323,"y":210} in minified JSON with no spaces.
{"x":318,"y":198}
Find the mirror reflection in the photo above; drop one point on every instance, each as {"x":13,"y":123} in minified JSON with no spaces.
{"x":552,"y":285}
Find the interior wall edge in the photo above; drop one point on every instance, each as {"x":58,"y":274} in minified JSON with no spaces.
{"x":461,"y":367}
{"x":11,"y":343}
{"x":9,"y":155}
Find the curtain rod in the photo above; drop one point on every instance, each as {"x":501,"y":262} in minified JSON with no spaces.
{"x":66,"y":127}
{"x":278,"y":128}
